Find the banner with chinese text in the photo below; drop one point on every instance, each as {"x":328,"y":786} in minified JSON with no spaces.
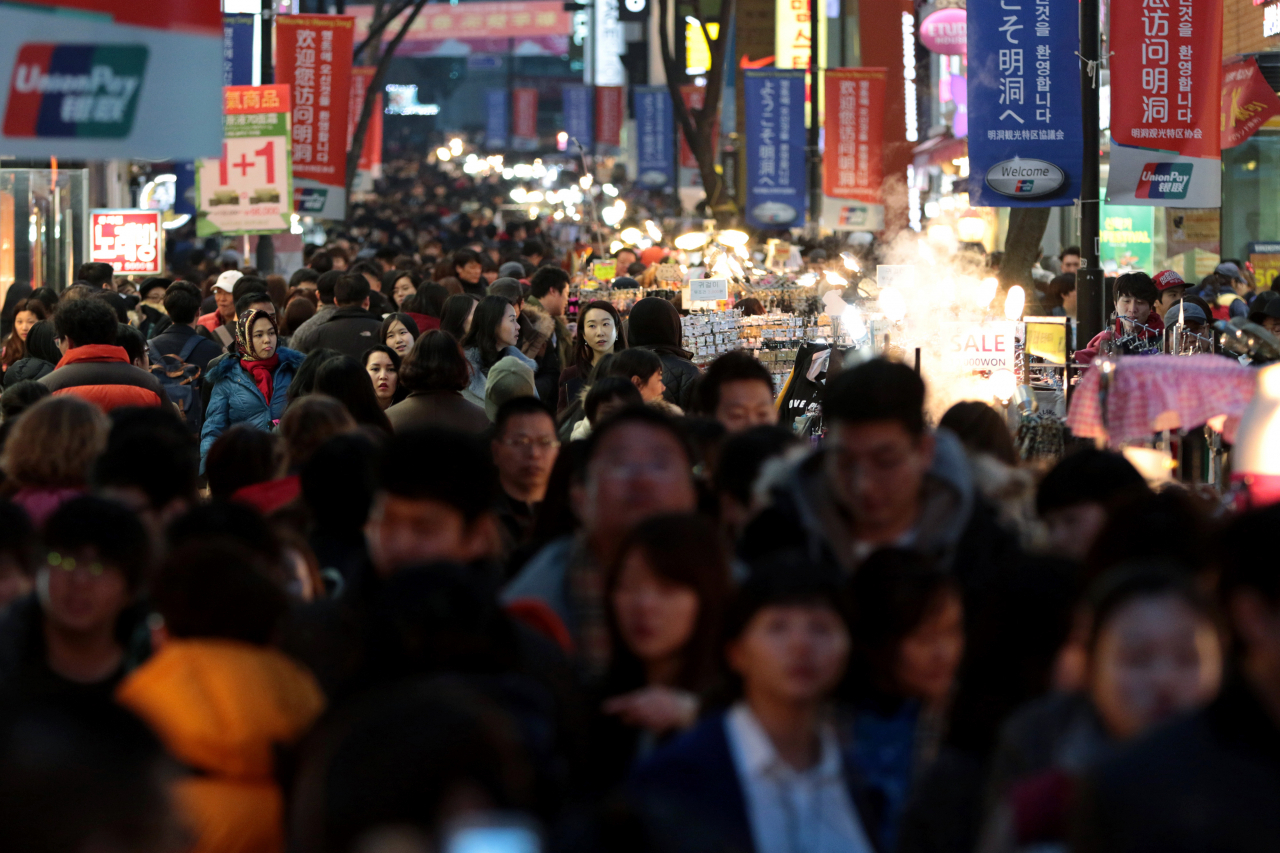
{"x":611,"y":106}
{"x":249,"y":189}
{"x":775,"y":147}
{"x":237,"y":49}
{"x":579,"y":116}
{"x":313,"y":57}
{"x":654,"y":130}
{"x":1026,"y":145}
{"x":1248,"y":101}
{"x":370,"y":165}
{"x":497,"y":119}
{"x":1166,"y":103}
{"x":524,"y":119}
{"x":852,"y":163}
{"x":132,"y":241}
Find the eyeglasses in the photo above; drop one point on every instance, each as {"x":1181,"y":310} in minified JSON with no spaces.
{"x":525,"y":442}
{"x":658,"y":469}
{"x":64,"y":563}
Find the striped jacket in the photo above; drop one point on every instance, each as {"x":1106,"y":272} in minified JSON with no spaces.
{"x":104,"y":376}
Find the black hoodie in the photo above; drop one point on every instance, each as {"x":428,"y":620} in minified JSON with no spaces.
{"x":654,"y":324}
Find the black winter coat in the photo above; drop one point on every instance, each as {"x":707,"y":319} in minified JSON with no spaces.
{"x":28,"y":367}
{"x":654,"y":324}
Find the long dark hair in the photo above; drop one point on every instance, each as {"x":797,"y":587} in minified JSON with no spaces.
{"x":453,"y":319}
{"x":405,"y":320}
{"x":581,"y":349}
{"x":389,"y":279}
{"x":435,"y":363}
{"x":429,"y":300}
{"x":304,"y":379}
{"x":484,"y":325}
{"x":346,"y":380}
{"x":14,"y":347}
{"x":401,"y":391}
{"x":685,"y":550}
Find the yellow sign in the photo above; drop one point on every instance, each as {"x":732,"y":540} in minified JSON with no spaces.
{"x":793,"y":42}
{"x":1265,"y":269}
{"x":605,"y":270}
{"x":697,"y":52}
{"x":1047,"y":341}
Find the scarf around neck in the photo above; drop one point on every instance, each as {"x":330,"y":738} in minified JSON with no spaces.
{"x":262,"y":370}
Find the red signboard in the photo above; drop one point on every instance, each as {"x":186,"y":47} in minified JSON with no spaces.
{"x":610,"y":106}
{"x":313,"y":56}
{"x":371,"y":151}
{"x":483,"y":20}
{"x":132,"y":241}
{"x":524,"y":122}
{"x":1248,"y":101}
{"x":852,"y":165}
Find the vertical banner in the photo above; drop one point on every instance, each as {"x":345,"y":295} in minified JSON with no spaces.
{"x":1026,"y":144}
{"x":237,"y":50}
{"x":607,"y":45}
{"x":497,"y":115}
{"x":1165,"y":118}
{"x":1248,"y":101}
{"x":579,"y":117}
{"x":524,"y":119}
{"x":655,"y":125}
{"x":611,"y":104}
{"x":853,"y":166}
{"x":775,"y":147}
{"x":248,"y":190}
{"x":313,"y":57}
{"x":370,"y":165}
{"x":792,"y":36}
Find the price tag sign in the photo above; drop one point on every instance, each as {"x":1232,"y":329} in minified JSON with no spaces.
{"x":1047,"y":341}
{"x":132,"y":241}
{"x":248,"y":190}
{"x":668,"y":272}
{"x":605,"y":270}
{"x":708,"y":289}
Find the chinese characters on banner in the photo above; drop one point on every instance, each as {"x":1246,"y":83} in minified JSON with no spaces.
{"x":654,"y":127}
{"x":611,"y":104}
{"x":1165,"y":127}
{"x":248,"y":190}
{"x":524,"y":119}
{"x":775,"y":147}
{"x":132,"y":241}
{"x":313,"y":56}
{"x":237,"y":50}
{"x":852,"y":165}
{"x":579,"y":117}
{"x":371,"y":150}
{"x":1248,"y":101}
{"x":497,"y":115}
{"x":1026,"y":145}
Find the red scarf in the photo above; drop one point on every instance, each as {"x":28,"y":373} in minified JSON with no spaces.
{"x":263,"y":373}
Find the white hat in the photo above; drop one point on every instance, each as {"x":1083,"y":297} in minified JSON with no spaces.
{"x":228,"y":280}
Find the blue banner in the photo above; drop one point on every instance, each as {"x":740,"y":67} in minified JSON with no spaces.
{"x":655,"y":137}
{"x":498,"y":119}
{"x":775,"y":147}
{"x":237,"y":50}
{"x":1026,"y":144}
{"x":579,"y":116}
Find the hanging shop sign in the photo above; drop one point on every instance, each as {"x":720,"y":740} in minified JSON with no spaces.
{"x":313,"y":57}
{"x":238,"y":49}
{"x":1026,"y":145}
{"x":497,"y":119}
{"x":853,"y":166}
{"x":1192,"y":228}
{"x":611,"y":105}
{"x":1248,"y":101}
{"x":842,"y":214}
{"x":1126,"y":239}
{"x":608,"y":44}
{"x":524,"y":119}
{"x":654,"y":130}
{"x":103,"y":79}
{"x":579,"y":115}
{"x":1165,"y":125}
{"x":249,"y":189}
{"x":371,"y":151}
{"x":775,"y":147}
{"x":132,"y":241}
{"x":944,"y":32}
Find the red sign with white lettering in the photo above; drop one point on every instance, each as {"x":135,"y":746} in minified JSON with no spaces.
{"x":132,"y":241}
{"x":313,"y":56}
{"x":610,"y":106}
{"x":853,"y":166}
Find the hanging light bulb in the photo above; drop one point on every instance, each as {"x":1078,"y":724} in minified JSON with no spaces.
{"x":1003,"y":385}
{"x":631,"y":235}
{"x":807,"y":280}
{"x":615,"y":246}
{"x":733,"y":238}
{"x":850,"y":262}
{"x":892,"y":304}
{"x":1015,"y":302}
{"x":653,"y":231}
{"x":692,"y":240}
{"x":986,"y":291}
{"x":835,"y":278}
{"x":854,"y":326}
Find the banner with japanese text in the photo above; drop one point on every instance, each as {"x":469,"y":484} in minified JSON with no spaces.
{"x":237,"y":49}
{"x":497,"y":122}
{"x":313,"y":57}
{"x":370,"y":163}
{"x":654,"y":130}
{"x":611,"y":108}
{"x":852,"y":163}
{"x":248,"y":190}
{"x":1165,"y":115}
{"x":775,"y":147}
{"x":1026,"y":144}
{"x":524,"y":119}
{"x":1248,"y":101}
{"x":579,"y":116}
{"x":132,"y":241}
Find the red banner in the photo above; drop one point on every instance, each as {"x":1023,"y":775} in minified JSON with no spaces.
{"x":313,"y":56}
{"x":524,"y":115}
{"x":610,"y":106}
{"x":132,"y":241}
{"x":852,"y":164}
{"x":371,"y":152}
{"x":1248,"y":101}
{"x":1171,"y":68}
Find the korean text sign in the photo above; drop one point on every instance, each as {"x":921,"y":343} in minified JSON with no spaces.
{"x":371,"y":150}
{"x":497,"y":119}
{"x":775,"y":147}
{"x":579,"y":115}
{"x":248,"y":190}
{"x":313,"y":57}
{"x":853,"y":166}
{"x":524,"y":121}
{"x":1026,"y":143}
{"x":132,"y":241}
{"x":654,"y":129}
{"x":611,"y":106}
{"x":1165,"y":117}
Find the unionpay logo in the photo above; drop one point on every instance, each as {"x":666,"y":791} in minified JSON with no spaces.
{"x":309,"y":199}
{"x":1164,"y":180}
{"x":1024,"y":187}
{"x":75,"y":90}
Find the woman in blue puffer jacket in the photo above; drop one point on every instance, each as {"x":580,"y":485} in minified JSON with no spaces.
{"x":252,"y":388}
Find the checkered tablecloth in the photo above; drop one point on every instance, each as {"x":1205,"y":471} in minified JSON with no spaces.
{"x":1153,"y":393}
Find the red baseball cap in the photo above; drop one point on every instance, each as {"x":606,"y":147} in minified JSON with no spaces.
{"x":1166,"y":279}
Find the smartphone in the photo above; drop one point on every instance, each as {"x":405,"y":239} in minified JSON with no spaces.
{"x":493,"y":832}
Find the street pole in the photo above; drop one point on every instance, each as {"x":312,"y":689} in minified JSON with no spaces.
{"x":1089,"y":285}
{"x":266,"y":260}
{"x":815,"y":159}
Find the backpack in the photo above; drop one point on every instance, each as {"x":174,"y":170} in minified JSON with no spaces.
{"x":181,"y":381}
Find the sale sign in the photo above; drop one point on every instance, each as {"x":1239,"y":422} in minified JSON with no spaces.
{"x":132,"y":241}
{"x":249,"y":189}
{"x":852,"y":166}
{"x":313,"y":57}
{"x":1248,"y":101}
{"x":981,"y":346}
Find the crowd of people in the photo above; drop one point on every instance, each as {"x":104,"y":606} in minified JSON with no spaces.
{"x":389,"y":556}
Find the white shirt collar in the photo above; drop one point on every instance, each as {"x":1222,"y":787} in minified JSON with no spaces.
{"x":760,"y":758}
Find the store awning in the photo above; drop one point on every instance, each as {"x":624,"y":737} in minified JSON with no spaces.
{"x":940,"y":151}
